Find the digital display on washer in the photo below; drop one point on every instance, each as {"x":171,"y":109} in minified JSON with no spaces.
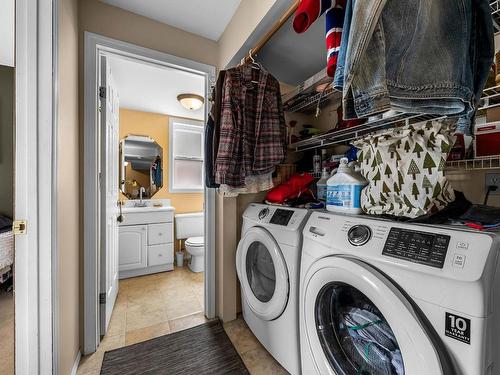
{"x":418,"y":247}
{"x":281,"y":217}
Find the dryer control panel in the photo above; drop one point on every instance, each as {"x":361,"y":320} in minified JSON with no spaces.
{"x":281,"y":217}
{"x":419,"y":247}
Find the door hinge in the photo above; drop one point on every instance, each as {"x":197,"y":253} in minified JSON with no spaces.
{"x":19,"y":227}
{"x":102,"y":92}
{"x":102,"y":298}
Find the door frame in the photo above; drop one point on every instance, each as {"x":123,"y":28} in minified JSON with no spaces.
{"x":95,"y":45}
{"x":36,"y":343}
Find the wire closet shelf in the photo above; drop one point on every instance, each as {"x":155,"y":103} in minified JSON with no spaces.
{"x":387,"y":121}
{"x":495,"y":14}
{"x":490,"y":99}
{"x":492,"y":162}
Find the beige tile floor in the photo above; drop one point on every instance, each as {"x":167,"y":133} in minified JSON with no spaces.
{"x":156,"y":305}
{"x":6,"y":333}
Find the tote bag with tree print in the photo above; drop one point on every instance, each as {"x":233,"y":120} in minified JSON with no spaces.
{"x":405,"y":169}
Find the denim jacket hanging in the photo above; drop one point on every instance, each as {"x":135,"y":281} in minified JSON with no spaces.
{"x":417,"y":56}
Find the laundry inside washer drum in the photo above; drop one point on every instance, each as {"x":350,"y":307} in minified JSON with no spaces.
{"x":354,"y":334}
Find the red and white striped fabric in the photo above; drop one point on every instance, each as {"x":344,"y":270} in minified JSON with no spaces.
{"x":309,"y":11}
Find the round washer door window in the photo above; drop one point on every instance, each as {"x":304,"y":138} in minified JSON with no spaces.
{"x":356,"y":321}
{"x":263,"y":273}
{"x":354,"y":334}
{"x":260,"y":270}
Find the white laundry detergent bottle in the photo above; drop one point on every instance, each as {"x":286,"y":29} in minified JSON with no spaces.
{"x":321,"y":185}
{"x":343,"y":192}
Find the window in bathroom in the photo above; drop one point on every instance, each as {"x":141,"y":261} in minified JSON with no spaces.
{"x":186,"y":156}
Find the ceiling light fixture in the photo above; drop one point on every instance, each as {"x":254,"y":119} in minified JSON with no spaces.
{"x":191,"y":101}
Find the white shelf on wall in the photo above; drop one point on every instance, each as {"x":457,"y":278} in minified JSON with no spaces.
{"x":490,"y":98}
{"x":347,"y":135}
{"x":492,"y":162}
{"x":308,"y":102}
{"x":495,"y":14}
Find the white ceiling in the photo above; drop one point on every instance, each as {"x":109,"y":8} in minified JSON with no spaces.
{"x":207,"y":18}
{"x":150,"y":88}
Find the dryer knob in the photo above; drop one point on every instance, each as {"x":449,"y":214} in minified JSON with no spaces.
{"x":358,"y":235}
{"x":263,"y":213}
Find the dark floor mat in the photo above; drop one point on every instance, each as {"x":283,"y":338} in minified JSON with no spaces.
{"x":204,"y":349}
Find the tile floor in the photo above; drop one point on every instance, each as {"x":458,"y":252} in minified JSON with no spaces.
{"x":156,"y":305}
{"x":6,"y":333}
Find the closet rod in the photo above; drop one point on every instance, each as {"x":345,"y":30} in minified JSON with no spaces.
{"x":261,"y":43}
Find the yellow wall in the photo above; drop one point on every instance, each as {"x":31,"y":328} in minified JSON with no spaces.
{"x":155,"y":126}
{"x":68,"y":188}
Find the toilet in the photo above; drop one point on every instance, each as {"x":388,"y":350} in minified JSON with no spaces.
{"x":191,"y":228}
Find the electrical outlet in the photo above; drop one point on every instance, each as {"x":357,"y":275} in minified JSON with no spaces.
{"x":493,"y":179}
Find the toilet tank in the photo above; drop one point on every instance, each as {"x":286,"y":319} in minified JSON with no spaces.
{"x":189,"y":225}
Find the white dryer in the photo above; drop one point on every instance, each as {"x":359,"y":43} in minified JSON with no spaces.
{"x":381,"y":297}
{"x":268,"y":265}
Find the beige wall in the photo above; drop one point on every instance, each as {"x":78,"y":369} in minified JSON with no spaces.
{"x":68,"y":187}
{"x":100,"y":18}
{"x":155,"y":126}
{"x":245,"y":20}
{"x":6,"y":140}
{"x":228,"y":210}
{"x":471,"y":183}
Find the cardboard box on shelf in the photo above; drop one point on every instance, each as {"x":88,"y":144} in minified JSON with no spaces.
{"x":493,"y":114}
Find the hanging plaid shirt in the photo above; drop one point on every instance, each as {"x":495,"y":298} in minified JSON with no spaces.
{"x":309,"y":11}
{"x":252,"y":126}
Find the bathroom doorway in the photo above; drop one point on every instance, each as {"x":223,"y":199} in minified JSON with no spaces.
{"x":155,"y":221}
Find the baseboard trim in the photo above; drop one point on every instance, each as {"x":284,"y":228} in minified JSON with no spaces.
{"x":77,"y":363}
{"x":145,"y":271}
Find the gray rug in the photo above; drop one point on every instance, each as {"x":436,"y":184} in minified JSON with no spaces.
{"x":204,"y":349}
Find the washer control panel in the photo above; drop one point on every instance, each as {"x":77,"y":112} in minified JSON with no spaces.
{"x":419,"y":247}
{"x":359,"y":235}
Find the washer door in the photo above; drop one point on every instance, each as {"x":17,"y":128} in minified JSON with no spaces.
{"x":358,"y":322}
{"x":263,"y":273}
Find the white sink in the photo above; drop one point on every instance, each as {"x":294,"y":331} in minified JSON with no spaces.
{"x":126,"y":209}
{"x":151,"y":213}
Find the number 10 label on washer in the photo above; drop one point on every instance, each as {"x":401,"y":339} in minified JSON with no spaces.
{"x":457,"y":327}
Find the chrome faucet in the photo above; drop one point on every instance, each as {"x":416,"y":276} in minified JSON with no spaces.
{"x":141,"y":190}
{"x":141,"y":203}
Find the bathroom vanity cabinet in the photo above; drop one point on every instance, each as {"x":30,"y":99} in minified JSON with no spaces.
{"x":146,"y":241}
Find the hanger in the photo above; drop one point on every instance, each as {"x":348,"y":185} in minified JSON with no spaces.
{"x":255,"y":65}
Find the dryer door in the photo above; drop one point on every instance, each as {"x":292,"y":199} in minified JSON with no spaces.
{"x":263,"y":273}
{"x":358,"y":322}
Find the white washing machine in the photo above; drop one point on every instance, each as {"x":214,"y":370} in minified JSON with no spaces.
{"x":381,"y":297}
{"x":268,"y":265}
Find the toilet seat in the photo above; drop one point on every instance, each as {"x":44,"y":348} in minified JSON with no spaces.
{"x":195,"y":241}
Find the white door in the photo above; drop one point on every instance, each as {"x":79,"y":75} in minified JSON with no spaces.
{"x":263,"y":273}
{"x":357,"y":322}
{"x":109,"y":126}
{"x":133,"y":247}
